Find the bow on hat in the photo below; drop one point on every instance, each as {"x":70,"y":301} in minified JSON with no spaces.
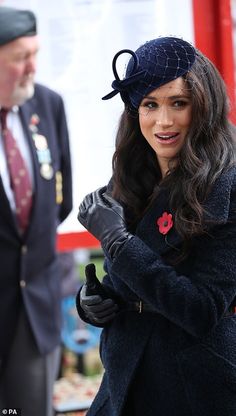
{"x":122,"y":86}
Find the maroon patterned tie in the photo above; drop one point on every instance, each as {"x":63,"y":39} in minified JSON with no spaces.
{"x":19,"y":175}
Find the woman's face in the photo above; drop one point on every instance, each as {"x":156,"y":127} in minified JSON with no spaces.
{"x":164,"y":116}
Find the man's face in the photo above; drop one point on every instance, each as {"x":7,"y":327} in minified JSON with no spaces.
{"x":17,"y":70}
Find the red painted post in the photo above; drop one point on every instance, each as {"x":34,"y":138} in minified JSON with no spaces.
{"x":213,"y":31}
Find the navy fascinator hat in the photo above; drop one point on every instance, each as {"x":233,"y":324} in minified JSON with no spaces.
{"x":153,"y":64}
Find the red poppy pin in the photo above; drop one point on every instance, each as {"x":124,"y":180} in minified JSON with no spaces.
{"x":34,"y":119}
{"x":165,"y":223}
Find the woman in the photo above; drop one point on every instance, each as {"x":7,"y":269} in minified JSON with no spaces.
{"x":167,"y":224}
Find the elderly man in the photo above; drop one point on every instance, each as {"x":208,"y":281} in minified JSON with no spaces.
{"x":36,"y":195}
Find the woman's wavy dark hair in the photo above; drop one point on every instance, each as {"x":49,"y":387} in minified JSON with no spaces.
{"x":208,"y":150}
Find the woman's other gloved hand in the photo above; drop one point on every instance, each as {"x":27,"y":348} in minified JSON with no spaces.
{"x":95,"y":301}
{"x":103,"y":216}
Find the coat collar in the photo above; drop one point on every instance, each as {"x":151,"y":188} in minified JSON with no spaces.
{"x":217,"y":204}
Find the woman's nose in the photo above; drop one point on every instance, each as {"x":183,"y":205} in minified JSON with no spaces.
{"x":164,"y":116}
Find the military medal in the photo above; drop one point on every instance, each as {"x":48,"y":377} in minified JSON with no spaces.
{"x":46,"y":171}
{"x":40,"y":142}
{"x":42,"y":149}
{"x":34,"y":122}
{"x":59,"y":194}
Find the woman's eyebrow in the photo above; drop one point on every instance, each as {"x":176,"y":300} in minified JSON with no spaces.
{"x":172,"y":97}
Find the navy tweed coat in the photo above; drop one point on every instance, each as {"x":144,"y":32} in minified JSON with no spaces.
{"x":181,"y":360}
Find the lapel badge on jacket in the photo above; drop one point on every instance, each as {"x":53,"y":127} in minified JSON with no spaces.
{"x":42,"y":149}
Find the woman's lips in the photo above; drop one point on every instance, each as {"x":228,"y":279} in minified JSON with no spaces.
{"x":167,"y":138}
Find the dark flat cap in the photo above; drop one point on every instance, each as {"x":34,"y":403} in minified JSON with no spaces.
{"x":15,"y":23}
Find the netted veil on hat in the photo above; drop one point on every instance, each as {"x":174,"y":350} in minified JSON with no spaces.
{"x":153,"y":64}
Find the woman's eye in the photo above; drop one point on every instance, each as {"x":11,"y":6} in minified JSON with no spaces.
{"x":180,"y":103}
{"x":150,"y":105}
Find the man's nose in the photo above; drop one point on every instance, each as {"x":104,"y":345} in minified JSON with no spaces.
{"x":31,"y":65}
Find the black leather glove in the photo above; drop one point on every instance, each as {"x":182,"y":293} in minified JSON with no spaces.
{"x":93,"y":298}
{"x":103,"y":216}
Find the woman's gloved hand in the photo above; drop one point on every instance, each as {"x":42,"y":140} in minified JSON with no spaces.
{"x":94,"y":299}
{"x":98,"y":310}
{"x":103,"y":217}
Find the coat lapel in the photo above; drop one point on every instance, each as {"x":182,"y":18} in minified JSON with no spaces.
{"x":216,"y":211}
{"x":26,"y":111}
{"x":148,"y":229}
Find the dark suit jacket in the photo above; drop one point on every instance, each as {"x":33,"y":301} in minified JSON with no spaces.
{"x":29,"y":274}
{"x":180,"y":360}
